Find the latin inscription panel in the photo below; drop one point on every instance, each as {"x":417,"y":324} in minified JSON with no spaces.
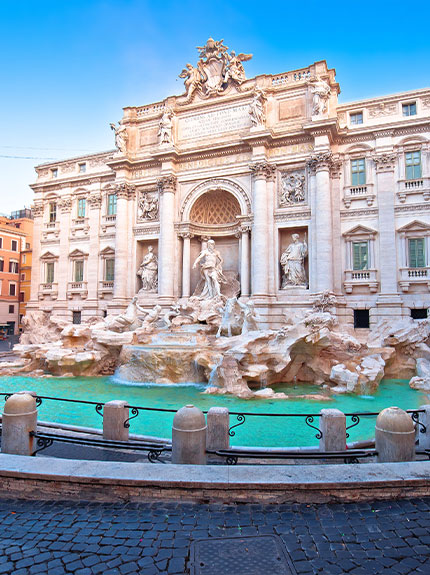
{"x":213,"y":123}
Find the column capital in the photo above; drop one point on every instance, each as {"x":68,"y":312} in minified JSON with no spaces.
{"x":167,"y":184}
{"x":320,"y":161}
{"x":385,"y":162}
{"x":263,"y":170}
{"x":95,"y":201}
{"x":185,"y":235}
{"x":125,"y":191}
{"x":65,"y":204}
{"x":336,"y":167}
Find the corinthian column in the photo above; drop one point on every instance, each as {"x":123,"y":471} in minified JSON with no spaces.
{"x":244,"y":261}
{"x":166,"y":246}
{"x":320,"y":163}
{"x":37,"y":212}
{"x":94,"y":205}
{"x":124,"y":192}
{"x":260,"y":238}
{"x":186,"y":264}
{"x":65,"y":206}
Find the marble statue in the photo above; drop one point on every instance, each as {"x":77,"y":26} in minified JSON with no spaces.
{"x":165,"y":127}
{"x":292,"y":262}
{"x":148,"y":272}
{"x":293,"y":189}
{"x":211,"y":271}
{"x":127,"y":321}
{"x":250,"y":317}
{"x":193,"y":78}
{"x":148,"y":206}
{"x":321,"y":92}
{"x":235,"y":69}
{"x":256,"y":109}
{"x":121,"y":137}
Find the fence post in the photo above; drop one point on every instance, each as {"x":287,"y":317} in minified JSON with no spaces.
{"x":394,"y":436}
{"x":19,"y":419}
{"x":189,"y":436}
{"x":333,"y":429}
{"x":115,"y":414}
{"x":424,"y":418}
{"x":218,"y":422}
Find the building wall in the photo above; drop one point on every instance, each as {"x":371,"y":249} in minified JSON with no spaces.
{"x":215,"y":148}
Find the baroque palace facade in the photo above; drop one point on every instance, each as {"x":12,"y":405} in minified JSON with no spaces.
{"x":300,"y":194}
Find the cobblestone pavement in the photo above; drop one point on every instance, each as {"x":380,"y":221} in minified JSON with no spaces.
{"x":53,"y":538}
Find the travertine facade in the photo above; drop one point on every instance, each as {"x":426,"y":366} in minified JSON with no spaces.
{"x":247,"y":163}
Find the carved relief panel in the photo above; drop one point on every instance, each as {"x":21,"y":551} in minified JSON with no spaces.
{"x":292,"y":188}
{"x":148,"y":206}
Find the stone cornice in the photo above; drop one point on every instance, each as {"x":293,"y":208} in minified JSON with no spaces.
{"x":393,"y":129}
{"x":328,"y":127}
{"x":63,"y":183}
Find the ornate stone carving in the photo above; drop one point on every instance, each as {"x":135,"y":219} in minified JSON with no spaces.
{"x":148,"y":206}
{"x":263,"y":170}
{"x":148,"y":272}
{"x":68,"y":167}
{"x":37,"y":210}
{"x":211,"y":271}
{"x":292,"y":262}
{"x":65,"y":204}
{"x":336,"y":168}
{"x":385,"y":162}
{"x":95,"y":201}
{"x":124,"y":190}
{"x":215,"y":207}
{"x":320,"y":161}
{"x":256,"y":109}
{"x":215,"y":70}
{"x":321,"y":92}
{"x":216,"y":184}
{"x":425,"y":103}
{"x":165,"y":135}
{"x":382,"y":109}
{"x":292,"y":188}
{"x":167,"y":184}
{"x":121,"y":137}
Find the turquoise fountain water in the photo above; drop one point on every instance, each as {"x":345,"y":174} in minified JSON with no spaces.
{"x":260,"y":431}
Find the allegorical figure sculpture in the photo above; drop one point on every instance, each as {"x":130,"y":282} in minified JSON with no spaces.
{"x":292,"y":262}
{"x":321,"y":92}
{"x":121,"y":137}
{"x":165,"y":127}
{"x":148,"y":271}
{"x":148,"y":206}
{"x":235,"y":69}
{"x":193,"y":78}
{"x":211,"y":271}
{"x":256,"y":109}
{"x":293,"y":189}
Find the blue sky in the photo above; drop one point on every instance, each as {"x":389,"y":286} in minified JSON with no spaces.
{"x":69,"y":66}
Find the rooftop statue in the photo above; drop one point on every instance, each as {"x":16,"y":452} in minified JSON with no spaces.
{"x":121,"y":137}
{"x":215,"y":70}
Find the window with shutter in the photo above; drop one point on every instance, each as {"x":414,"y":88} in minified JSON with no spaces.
{"x":417,"y":253}
{"x":360,"y":252}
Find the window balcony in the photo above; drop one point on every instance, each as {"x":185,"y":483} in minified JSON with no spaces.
{"x":410,"y":187}
{"x":77,"y":288}
{"x":363,"y":192}
{"x":80,"y":225}
{"x":48,"y":289}
{"x":108,"y":222}
{"x":361,"y":278}
{"x":414,"y":276}
{"x":105,"y":287}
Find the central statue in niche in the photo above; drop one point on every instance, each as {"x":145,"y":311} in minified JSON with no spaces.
{"x":211,"y":271}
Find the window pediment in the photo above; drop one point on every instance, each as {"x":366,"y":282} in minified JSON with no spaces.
{"x":359,"y":232}
{"x":77,"y":254}
{"x":108,"y":251}
{"x":48,"y":256}
{"x":415,"y":227}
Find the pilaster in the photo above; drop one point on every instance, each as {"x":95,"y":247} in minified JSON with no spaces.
{"x":166,"y":250}
{"x":64,"y":206}
{"x":124,"y":192}
{"x":37,"y":212}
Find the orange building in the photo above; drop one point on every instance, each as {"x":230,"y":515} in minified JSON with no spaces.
{"x":16,"y":243}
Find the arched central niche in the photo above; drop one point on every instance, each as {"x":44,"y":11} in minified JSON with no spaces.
{"x":215,"y":207}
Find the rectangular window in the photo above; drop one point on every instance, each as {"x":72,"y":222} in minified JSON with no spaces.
{"x":356,"y":118}
{"x":1,"y":265}
{"x":21,"y":296}
{"x":24,"y":259}
{"x":409,"y":109}
{"x":360,"y":255}
{"x":361,"y":318}
{"x":419,"y":313}
{"x":23,"y":277}
{"x":14,"y":246}
{"x":111,"y":205}
{"x":27,"y":246}
{"x":54,"y":172}
{"x":82,"y":168}
{"x":413,"y":165}
{"x":417,"y":256}
{"x":50,"y":273}
{"x":110,"y":270}
{"x":79,"y":270}
{"x":76,"y":317}
{"x":52,"y":212}
{"x":358,"y":172}
{"x":1,"y":243}
{"x":11,"y":309}
{"x":81,"y":207}
{"x":12,"y":289}
{"x":13,"y":267}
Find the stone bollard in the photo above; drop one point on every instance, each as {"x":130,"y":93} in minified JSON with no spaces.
{"x":424,"y":438}
{"x":333,"y":429}
{"x":18,"y":420}
{"x":218,"y":419}
{"x":394,"y":436}
{"x":189,"y":436}
{"x":115,"y":414}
